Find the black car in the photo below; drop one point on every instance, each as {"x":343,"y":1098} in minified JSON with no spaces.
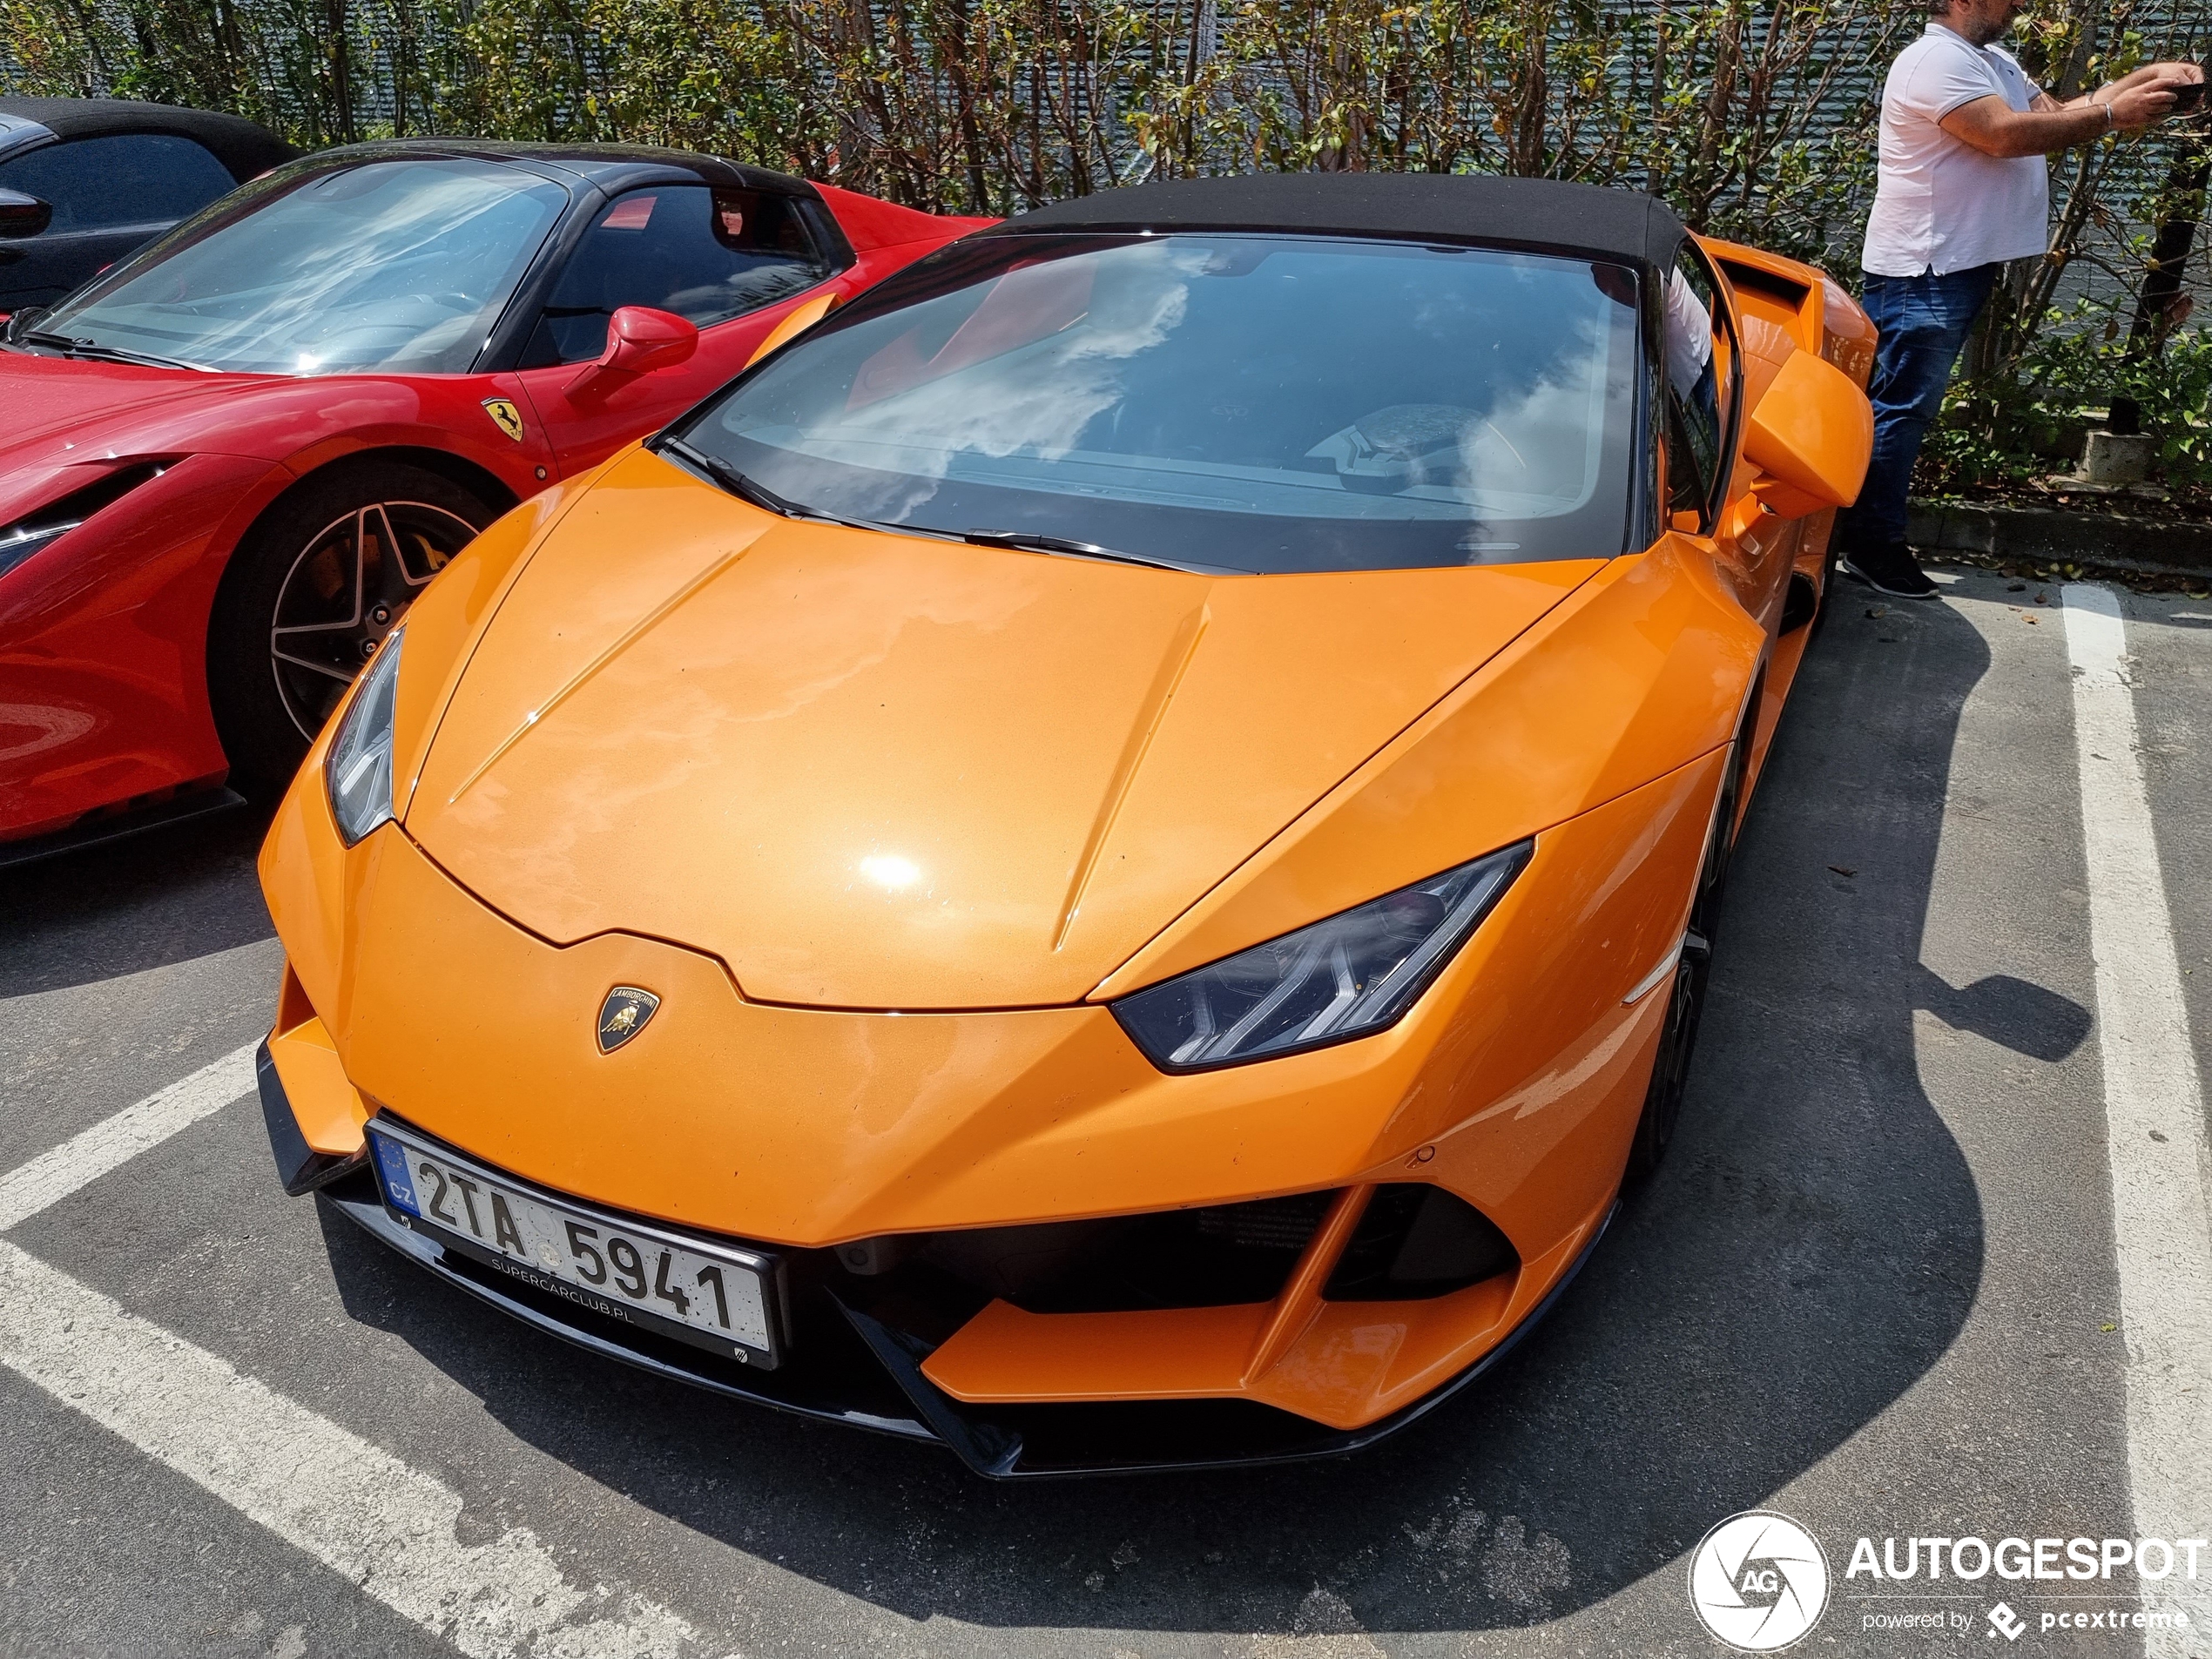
{"x":84,"y":180}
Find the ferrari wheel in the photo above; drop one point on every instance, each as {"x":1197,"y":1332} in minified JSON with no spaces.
{"x":310,"y":597}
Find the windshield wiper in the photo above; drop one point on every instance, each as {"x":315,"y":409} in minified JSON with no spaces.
{"x":1023,"y":542}
{"x":92,"y":349}
{"x":750,"y":490}
{"x":728,"y":477}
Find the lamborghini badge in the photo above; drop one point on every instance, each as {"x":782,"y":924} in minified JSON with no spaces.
{"x":505,"y":416}
{"x":623,"y":1015}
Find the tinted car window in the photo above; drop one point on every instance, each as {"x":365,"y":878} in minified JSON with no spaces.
{"x":126,"y":178}
{"x":400,"y":265}
{"x":705,"y":254}
{"x":1253,"y":402}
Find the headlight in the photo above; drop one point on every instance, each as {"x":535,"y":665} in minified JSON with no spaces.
{"x":358,"y":769}
{"x":1346,"y":977}
{"x":19,"y":542}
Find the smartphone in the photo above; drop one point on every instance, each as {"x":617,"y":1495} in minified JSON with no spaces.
{"x":2188,"y":99}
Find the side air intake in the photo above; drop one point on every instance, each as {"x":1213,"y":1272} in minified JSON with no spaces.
{"x":1415,"y":1242}
{"x":36,"y":530}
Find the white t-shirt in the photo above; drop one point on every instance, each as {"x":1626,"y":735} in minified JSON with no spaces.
{"x":1941,"y":204}
{"x":1689,"y":334}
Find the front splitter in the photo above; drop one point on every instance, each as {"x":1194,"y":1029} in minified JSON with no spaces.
{"x":864,"y":1372}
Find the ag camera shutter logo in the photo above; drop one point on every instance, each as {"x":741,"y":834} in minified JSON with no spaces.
{"x":1758,"y":1581}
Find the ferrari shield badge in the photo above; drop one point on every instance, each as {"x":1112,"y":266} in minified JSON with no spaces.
{"x":623,"y":1015}
{"x":505,"y":416}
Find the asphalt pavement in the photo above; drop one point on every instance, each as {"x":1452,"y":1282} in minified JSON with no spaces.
{"x":1877,"y":1288}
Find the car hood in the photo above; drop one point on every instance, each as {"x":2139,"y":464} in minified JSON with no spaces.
{"x":874,"y":771}
{"x":63,"y":413}
{"x":52,"y":398}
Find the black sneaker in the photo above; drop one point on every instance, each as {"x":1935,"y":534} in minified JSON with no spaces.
{"x":1891,"y":569}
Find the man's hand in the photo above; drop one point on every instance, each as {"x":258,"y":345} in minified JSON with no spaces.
{"x":2146,"y":96}
{"x":2128,"y":105}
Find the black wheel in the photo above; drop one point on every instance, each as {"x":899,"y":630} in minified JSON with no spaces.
{"x":313,"y":591}
{"x":1693,"y":967}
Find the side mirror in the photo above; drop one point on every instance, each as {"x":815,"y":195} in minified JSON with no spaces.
{"x":22,"y":215}
{"x":1812,"y":436}
{"x":639,"y":340}
{"x":796,"y":322}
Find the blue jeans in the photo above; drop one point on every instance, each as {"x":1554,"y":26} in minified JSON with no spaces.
{"x":1923,"y":321}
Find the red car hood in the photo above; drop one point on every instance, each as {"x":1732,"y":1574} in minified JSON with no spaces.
{"x":68,"y":417}
{"x":50,"y":398}
{"x":65,"y":412}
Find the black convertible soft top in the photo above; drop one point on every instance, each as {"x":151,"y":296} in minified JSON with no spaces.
{"x":244,"y":148}
{"x":612,"y":165}
{"x":1624,"y":225}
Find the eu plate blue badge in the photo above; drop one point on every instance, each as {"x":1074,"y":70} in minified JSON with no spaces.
{"x":391,"y":1165}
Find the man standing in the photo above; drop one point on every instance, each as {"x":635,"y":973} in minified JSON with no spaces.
{"x":1962,"y":189}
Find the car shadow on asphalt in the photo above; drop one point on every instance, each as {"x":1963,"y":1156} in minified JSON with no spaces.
{"x":1809,"y":1249}
{"x":171,"y":894}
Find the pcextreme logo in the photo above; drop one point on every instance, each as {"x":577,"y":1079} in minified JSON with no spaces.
{"x":1758,"y":1582}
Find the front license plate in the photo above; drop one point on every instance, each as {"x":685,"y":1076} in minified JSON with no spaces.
{"x":717,"y":1296}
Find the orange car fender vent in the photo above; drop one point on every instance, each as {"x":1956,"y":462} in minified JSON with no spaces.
{"x":1415,"y":1242}
{"x":1803,"y":604}
{"x":1751,"y":279}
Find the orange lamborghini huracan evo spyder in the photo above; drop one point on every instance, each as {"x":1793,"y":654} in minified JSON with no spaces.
{"x":1109,"y":857}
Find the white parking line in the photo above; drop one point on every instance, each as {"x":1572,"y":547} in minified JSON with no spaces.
{"x":353,"y":1506}
{"x":82,"y":1159}
{"x":2154,"y":1109}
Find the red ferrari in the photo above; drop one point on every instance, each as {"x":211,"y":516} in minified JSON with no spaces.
{"x":233,"y":460}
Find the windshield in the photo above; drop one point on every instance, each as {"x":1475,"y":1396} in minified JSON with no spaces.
{"x":394,"y":265}
{"x":1265,"y":403}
